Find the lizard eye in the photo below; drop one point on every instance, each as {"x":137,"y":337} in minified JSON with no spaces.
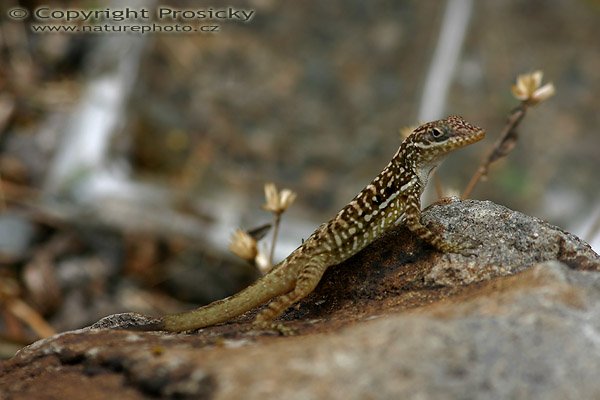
{"x":437,"y":133}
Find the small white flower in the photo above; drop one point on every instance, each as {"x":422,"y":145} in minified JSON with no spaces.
{"x":543,"y":93}
{"x":286,"y":198}
{"x":528,"y":88}
{"x":277,"y":202}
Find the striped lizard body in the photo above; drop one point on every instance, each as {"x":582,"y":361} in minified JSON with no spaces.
{"x":392,"y":197}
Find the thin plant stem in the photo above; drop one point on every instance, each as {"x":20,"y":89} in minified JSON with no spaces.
{"x":503,"y":146}
{"x":276,"y":221}
{"x":22,"y":311}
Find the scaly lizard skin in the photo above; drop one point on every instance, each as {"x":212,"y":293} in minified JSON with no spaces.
{"x":394,"y":195}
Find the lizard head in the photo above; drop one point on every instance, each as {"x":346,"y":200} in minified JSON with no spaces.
{"x":432,"y":141}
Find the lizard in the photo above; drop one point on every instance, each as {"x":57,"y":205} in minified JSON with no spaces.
{"x":393,"y":196}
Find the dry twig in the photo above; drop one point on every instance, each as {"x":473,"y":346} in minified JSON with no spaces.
{"x":277,"y":202}
{"x":244,"y":244}
{"x":528,"y":89}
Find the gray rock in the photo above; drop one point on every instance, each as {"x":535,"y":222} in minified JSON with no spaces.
{"x":507,"y":242}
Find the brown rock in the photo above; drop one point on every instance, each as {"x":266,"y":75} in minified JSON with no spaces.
{"x":398,"y":320}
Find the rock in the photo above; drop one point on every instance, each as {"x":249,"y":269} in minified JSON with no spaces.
{"x":508,"y":242}
{"x":398,"y":320}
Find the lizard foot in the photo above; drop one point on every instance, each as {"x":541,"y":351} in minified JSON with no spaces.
{"x":279,"y":328}
{"x":464,"y":246}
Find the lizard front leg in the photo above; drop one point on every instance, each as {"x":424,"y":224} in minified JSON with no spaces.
{"x":413,"y":222}
{"x":307,"y":280}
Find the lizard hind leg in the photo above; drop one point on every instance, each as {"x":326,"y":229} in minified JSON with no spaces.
{"x":307,"y":280}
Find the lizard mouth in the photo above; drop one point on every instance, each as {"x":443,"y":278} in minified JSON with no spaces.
{"x":472,"y":138}
{"x":479,"y":135}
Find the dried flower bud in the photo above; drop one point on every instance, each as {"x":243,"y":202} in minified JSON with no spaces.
{"x":286,"y":199}
{"x":528,"y":88}
{"x":277,"y":202}
{"x":243,"y":245}
{"x":271,"y":197}
{"x":543,"y":93}
{"x":527,"y":84}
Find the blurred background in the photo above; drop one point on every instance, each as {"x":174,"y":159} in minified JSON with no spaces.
{"x":128,"y":159}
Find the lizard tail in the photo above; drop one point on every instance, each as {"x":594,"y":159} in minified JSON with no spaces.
{"x":266,"y":288}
